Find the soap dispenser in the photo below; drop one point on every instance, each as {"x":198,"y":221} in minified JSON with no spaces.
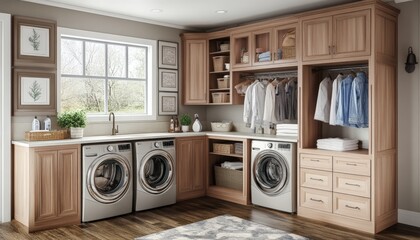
{"x":197,"y":126}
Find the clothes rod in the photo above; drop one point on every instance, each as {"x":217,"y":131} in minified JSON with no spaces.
{"x":352,"y":68}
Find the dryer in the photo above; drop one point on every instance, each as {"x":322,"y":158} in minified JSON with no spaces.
{"x":155,"y":172}
{"x":273,"y":175}
{"x":107,"y":180}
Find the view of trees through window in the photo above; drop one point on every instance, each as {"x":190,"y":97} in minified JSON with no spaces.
{"x":100,"y":77}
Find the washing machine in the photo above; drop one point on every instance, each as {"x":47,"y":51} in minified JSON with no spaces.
{"x":273,"y":175}
{"x":107,"y":180}
{"x":156,"y":178}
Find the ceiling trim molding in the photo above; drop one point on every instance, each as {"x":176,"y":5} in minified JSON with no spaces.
{"x":105,"y":13}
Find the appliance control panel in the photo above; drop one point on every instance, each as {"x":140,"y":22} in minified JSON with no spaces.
{"x":124,"y":147}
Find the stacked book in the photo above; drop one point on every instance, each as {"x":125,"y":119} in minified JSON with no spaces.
{"x":239,"y":148}
{"x":287,"y":130}
{"x":337,"y":144}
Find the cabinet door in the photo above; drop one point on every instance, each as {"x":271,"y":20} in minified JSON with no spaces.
{"x":198,"y":156}
{"x":45,"y":192}
{"x":317,"y":38}
{"x":68,"y":188}
{"x":241,"y":50}
{"x":351,"y":34}
{"x":184,"y":163}
{"x":195,"y":81}
{"x":262,"y":52}
{"x":283,"y":48}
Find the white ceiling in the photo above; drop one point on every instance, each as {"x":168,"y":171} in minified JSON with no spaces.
{"x":192,"y":14}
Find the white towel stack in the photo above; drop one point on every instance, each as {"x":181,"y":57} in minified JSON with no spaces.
{"x":337,"y":144}
{"x":232,"y":165}
{"x":287,"y":130}
{"x":239,"y":148}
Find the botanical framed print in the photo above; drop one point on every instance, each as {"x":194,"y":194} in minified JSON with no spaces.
{"x":168,"y":103}
{"x":168,"y":55}
{"x":34,"y":92}
{"x":34,"y":42}
{"x":168,"y":80}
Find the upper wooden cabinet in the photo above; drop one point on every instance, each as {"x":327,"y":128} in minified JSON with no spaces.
{"x":195,"y":72}
{"x":338,"y":36}
{"x":47,"y":186}
{"x":241,"y":47}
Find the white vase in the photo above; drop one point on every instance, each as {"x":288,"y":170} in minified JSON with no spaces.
{"x":185,"y":128}
{"x":76,"y":132}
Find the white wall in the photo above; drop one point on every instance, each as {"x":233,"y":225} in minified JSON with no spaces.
{"x":409,"y":111}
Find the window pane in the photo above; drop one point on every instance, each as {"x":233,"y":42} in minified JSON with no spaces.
{"x":71,"y":57}
{"x":137,"y":62}
{"x":116,"y":61}
{"x":126,"y":96}
{"x":82,"y":93}
{"x":95,"y":59}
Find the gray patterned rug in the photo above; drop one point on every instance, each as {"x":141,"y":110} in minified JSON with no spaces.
{"x":223,"y":227}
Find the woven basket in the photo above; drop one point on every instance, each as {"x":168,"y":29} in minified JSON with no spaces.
{"x":288,"y":52}
{"x":223,"y":148}
{"x":46,"y":135}
{"x":219,"y":63}
{"x":228,"y":178}
{"x":220,"y":97}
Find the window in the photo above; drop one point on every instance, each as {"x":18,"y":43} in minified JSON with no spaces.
{"x":104,"y":73}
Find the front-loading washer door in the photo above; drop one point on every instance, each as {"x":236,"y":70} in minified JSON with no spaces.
{"x":156,"y":171}
{"x":270,"y":172}
{"x":108,"y":178}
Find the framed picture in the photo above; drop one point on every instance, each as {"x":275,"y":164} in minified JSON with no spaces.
{"x":168,"y":80}
{"x":35,"y":42}
{"x":168,"y":103}
{"x":34,"y":92}
{"x":168,"y":55}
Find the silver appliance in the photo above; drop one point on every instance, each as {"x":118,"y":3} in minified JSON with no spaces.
{"x":107,"y":181}
{"x":273,"y":175}
{"x":155,"y":172}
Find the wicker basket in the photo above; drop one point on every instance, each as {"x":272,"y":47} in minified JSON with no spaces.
{"x":219,"y":63}
{"x":288,"y":52}
{"x":220,"y":97}
{"x":224,"y":47}
{"x":228,"y":178}
{"x":46,"y":135}
{"x":223,"y":148}
{"x":223,"y":83}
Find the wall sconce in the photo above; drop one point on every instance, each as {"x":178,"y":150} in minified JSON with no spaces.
{"x":411,"y":62}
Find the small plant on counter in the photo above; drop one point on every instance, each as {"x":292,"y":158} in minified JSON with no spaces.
{"x":75,"y":120}
{"x":185,"y":119}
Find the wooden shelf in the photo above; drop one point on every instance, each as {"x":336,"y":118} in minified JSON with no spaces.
{"x":228,"y":155}
{"x":227,"y":103}
{"x":220,"y":52}
{"x":225,"y":71}
{"x":360,"y":153}
{"x":219,"y":89}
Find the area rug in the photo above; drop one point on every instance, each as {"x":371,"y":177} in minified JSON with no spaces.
{"x":223,"y":227}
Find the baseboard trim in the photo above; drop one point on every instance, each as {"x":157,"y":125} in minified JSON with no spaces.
{"x":409,"y":217}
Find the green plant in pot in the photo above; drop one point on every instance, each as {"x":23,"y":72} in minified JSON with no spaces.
{"x":74,"y":120}
{"x":185,"y":121}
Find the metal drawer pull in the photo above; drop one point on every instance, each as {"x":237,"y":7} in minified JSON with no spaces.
{"x":352,"y":184}
{"x":314,"y":160}
{"x":317,"y":179}
{"x":316,"y":200}
{"x":357,"y":208}
{"x":351,"y":164}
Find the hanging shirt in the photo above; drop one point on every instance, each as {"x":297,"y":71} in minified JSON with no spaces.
{"x":323,"y":103}
{"x":342,"y":117}
{"x":270,"y":98}
{"x":359,"y":103}
{"x":280,"y":105}
{"x":334,"y":98}
{"x":258,"y":100}
{"x":248,"y":104}
{"x":291,"y":93}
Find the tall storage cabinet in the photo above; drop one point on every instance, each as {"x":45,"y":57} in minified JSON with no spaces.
{"x":355,"y":189}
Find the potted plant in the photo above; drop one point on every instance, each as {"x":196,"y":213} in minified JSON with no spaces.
{"x":185,"y":120}
{"x":74,"y":120}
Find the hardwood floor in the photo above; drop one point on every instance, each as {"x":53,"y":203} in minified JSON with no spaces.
{"x":147,"y":222}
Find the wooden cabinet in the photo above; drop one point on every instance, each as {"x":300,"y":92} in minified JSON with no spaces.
{"x":338,"y":36}
{"x":47,"y":186}
{"x":195,"y":72}
{"x":227,"y":184}
{"x":241,"y":50}
{"x":190,"y":157}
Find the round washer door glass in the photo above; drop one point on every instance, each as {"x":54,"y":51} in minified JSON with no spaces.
{"x":270,"y":172}
{"x":156,"y":171}
{"x":108,"y":178}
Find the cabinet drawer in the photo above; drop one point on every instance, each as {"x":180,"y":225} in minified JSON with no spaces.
{"x":352,"y":166}
{"x":316,"y":199}
{"x":316,"y":179}
{"x":316,"y":162}
{"x":352,"y":206}
{"x":352,"y":184}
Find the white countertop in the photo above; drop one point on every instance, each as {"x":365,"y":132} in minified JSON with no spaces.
{"x":145,"y":136}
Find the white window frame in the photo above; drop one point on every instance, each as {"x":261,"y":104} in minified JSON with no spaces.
{"x":151,"y":71}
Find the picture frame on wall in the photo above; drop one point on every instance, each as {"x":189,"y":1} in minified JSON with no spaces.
{"x":168,"y":54}
{"x":34,"y":92}
{"x":168,"y":103}
{"x":168,"y":80}
{"x":35,"y":42}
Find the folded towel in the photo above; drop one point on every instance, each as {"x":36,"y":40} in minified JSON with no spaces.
{"x":287,"y":131}
{"x":264,"y":54}
{"x":286,"y":126}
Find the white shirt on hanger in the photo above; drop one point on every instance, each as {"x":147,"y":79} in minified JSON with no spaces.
{"x":270,"y":98}
{"x":334,"y":98}
{"x":323,"y":103}
{"x":248,"y":103}
{"x":258,"y":100}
